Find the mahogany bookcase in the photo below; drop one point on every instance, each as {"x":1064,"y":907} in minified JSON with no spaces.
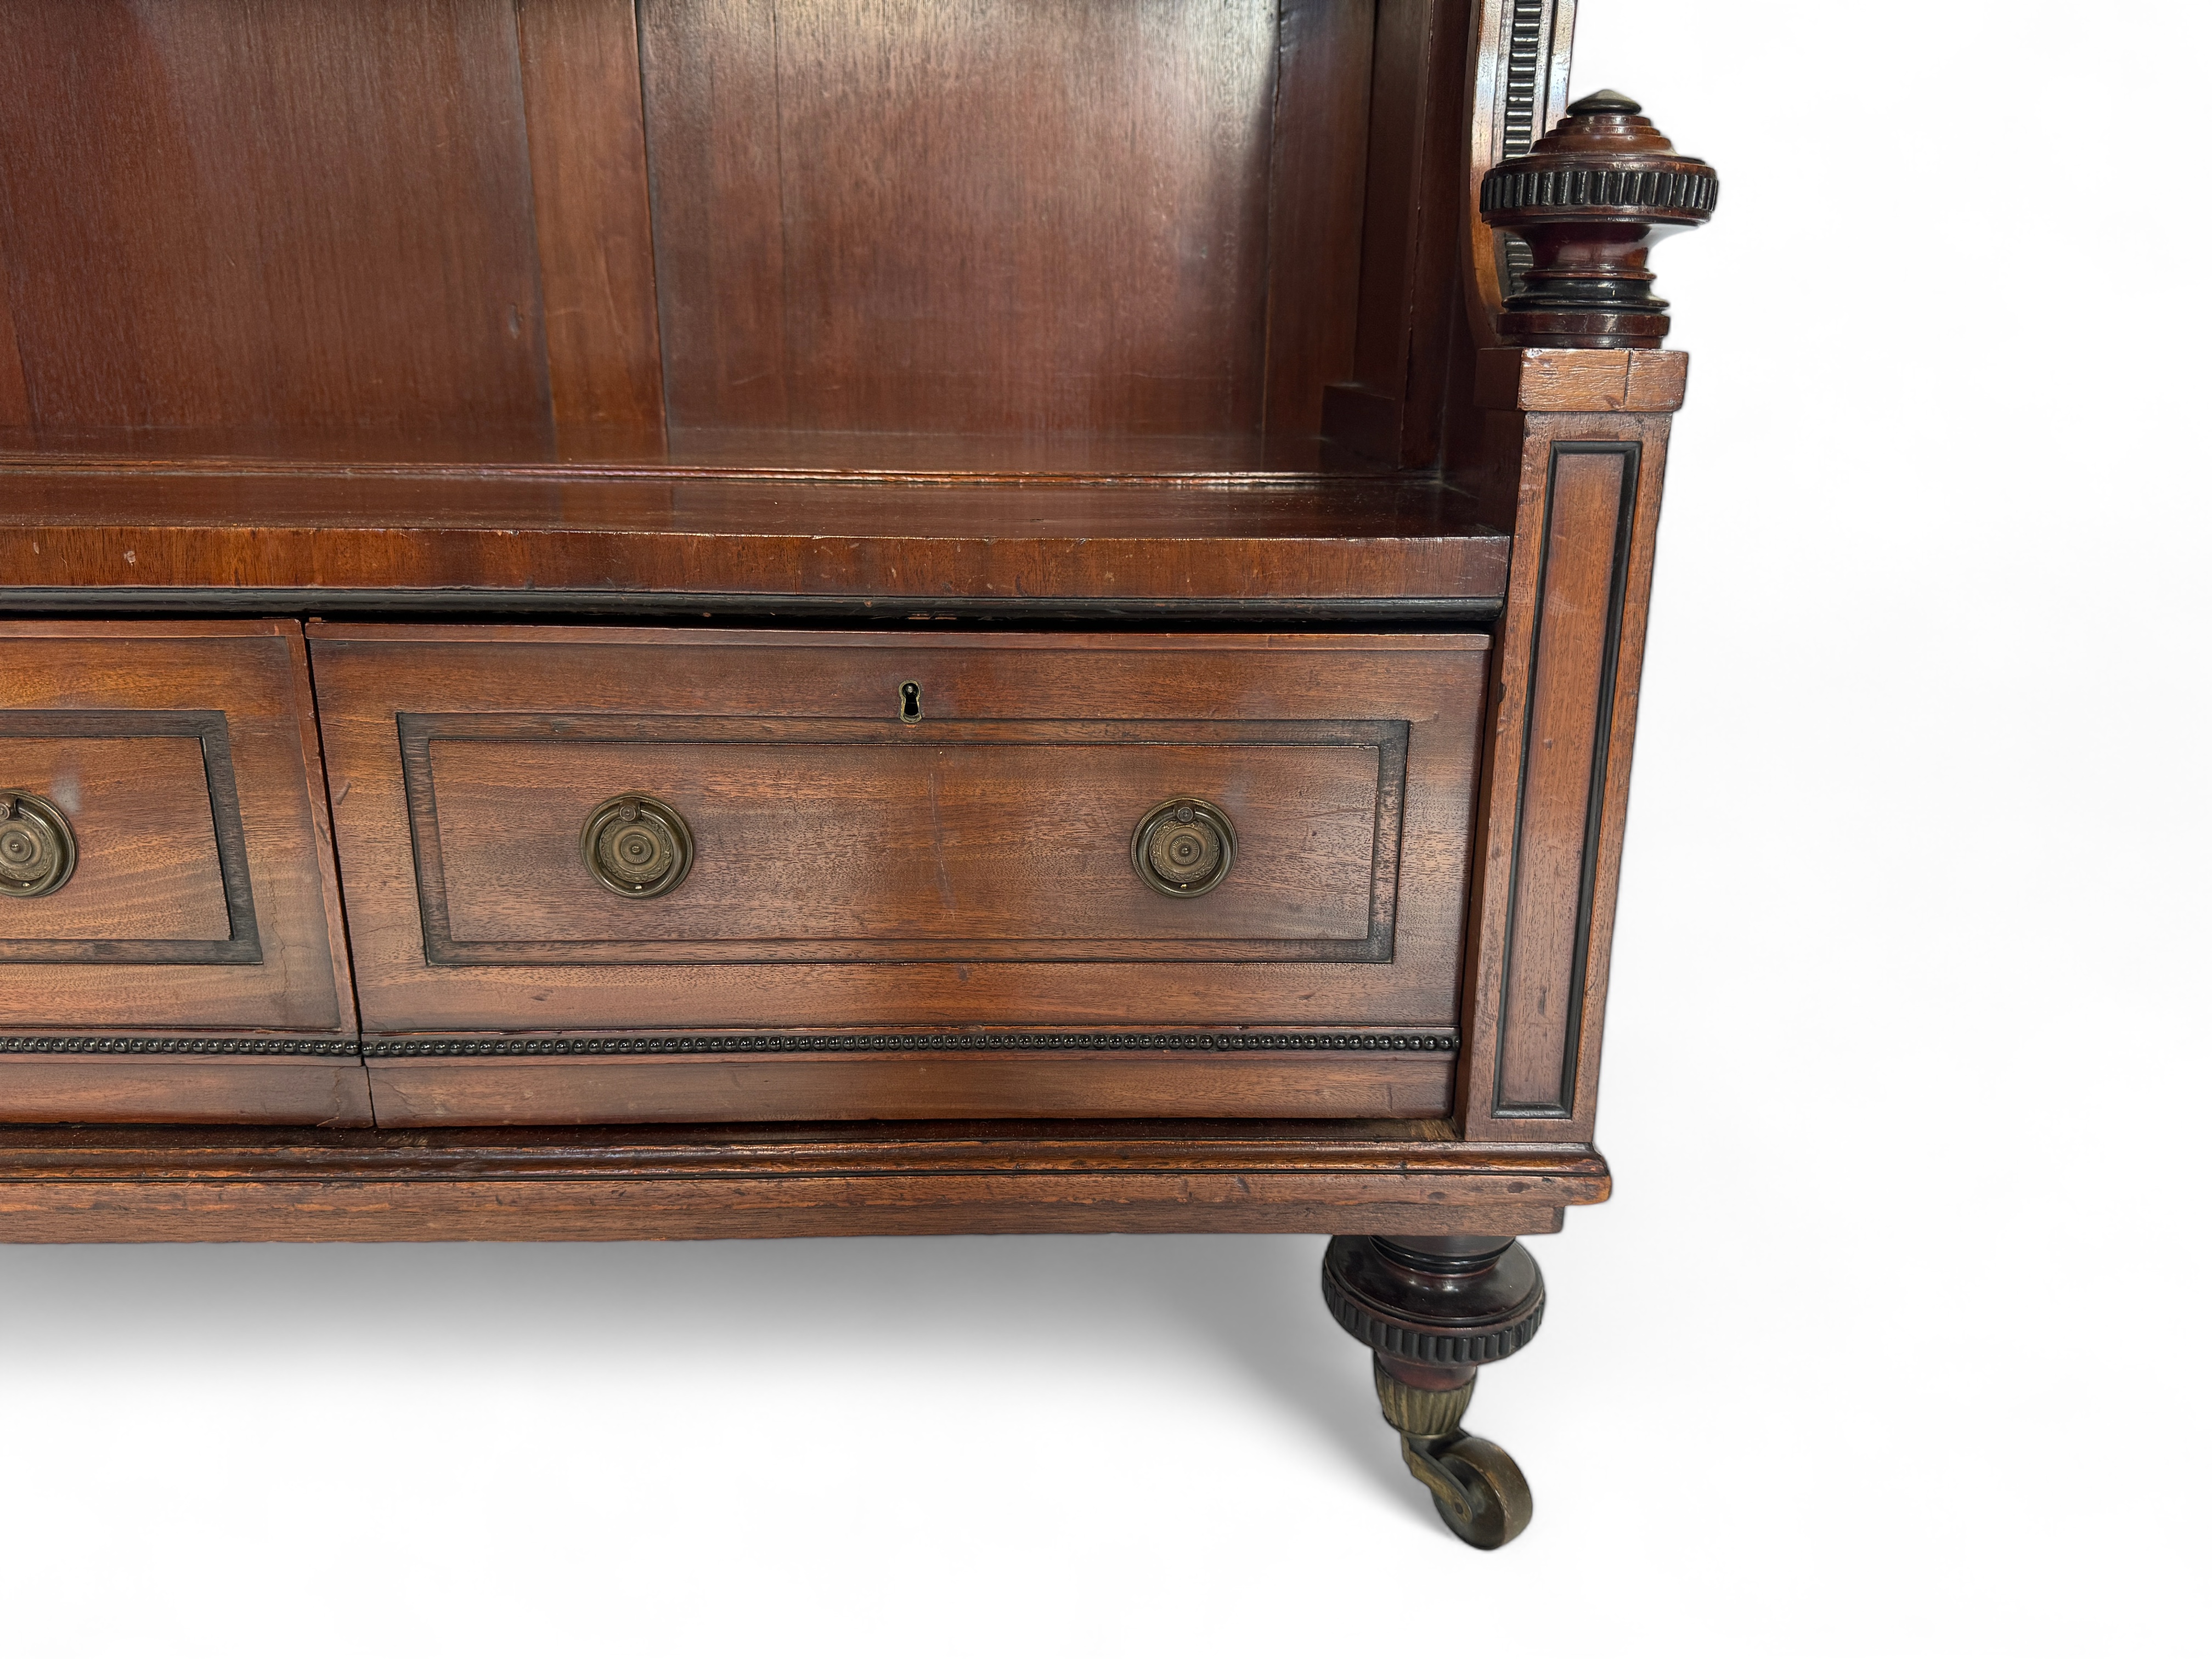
{"x":706,"y":618}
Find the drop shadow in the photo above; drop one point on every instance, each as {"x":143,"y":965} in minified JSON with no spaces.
{"x":1253,"y":1301}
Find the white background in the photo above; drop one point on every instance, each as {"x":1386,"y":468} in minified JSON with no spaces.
{"x":1890,"y":1343}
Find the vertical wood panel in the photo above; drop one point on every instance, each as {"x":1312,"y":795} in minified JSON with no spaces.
{"x":1582,"y":492}
{"x":1575,"y":609}
{"x":962,"y":216}
{"x":1403,"y":32}
{"x":1314,"y":193}
{"x":15,"y":395}
{"x":709,"y":70}
{"x":277,"y":215}
{"x":1416,"y":208}
{"x":594,"y":220}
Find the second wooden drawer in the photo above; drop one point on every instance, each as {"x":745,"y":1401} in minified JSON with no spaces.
{"x":566,"y":829}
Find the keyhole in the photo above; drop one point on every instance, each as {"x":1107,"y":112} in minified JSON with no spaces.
{"x":910,"y":703}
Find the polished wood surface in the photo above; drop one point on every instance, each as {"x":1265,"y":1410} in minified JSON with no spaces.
{"x":592,"y":205}
{"x":1316,"y":189}
{"x":1567,"y":382}
{"x":292,"y":215}
{"x":1589,"y":490}
{"x":937,"y":317}
{"x":165,"y":741}
{"x":63,"y":1184}
{"x":565,"y":217}
{"x":149,"y":867}
{"x":1566,"y":666}
{"x":806,"y":528}
{"x":1217,"y":707}
{"x":136,"y":1089}
{"x":881,"y":1088}
{"x":844,"y":840}
{"x":1392,"y":406}
{"x":877,"y":218}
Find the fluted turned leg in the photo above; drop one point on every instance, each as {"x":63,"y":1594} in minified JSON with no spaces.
{"x":1435,"y":1310}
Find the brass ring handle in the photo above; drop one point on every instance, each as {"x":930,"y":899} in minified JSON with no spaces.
{"x":38,"y":848}
{"x":1183,"y":847}
{"x":638,"y":845}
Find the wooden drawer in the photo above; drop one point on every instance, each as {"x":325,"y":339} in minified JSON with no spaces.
{"x":169,"y":946}
{"x":902,"y":847}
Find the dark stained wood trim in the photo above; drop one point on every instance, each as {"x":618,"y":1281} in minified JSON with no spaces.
{"x":967,"y":1040}
{"x":194,"y":1044}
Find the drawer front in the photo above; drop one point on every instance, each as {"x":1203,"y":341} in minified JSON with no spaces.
{"x":168,"y":900}
{"x":838,"y":841}
{"x":901,"y":843}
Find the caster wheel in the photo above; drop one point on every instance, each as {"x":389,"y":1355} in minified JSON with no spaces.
{"x":1478,"y":1489}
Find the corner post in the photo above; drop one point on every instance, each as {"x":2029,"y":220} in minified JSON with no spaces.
{"x":1571,"y":452}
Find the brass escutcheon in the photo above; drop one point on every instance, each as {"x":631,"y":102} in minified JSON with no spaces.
{"x":1183,"y":847}
{"x":638,"y":845}
{"x":38,"y":848}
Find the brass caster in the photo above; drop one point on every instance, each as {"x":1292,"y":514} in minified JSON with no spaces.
{"x":1435,"y":1310}
{"x":1478,"y":1489}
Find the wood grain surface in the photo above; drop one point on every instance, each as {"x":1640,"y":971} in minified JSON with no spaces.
{"x":1391,"y":407}
{"x":287,"y":216}
{"x":961,"y":218}
{"x":112,"y":529}
{"x":835,"y":840}
{"x":576,"y":221}
{"x":366,"y":676}
{"x":1582,"y":382}
{"x":1316,"y":189}
{"x":784,"y":1089}
{"x":1555,"y":794}
{"x":63,"y":1184}
{"x":132,"y":1089}
{"x":1591,"y":492}
{"x":148,"y":866}
{"x":148,"y":846}
{"x":942,"y":313}
{"x":591,"y":208}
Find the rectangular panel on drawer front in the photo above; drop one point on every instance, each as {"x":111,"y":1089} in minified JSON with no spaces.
{"x":854,"y":840}
{"x":183,"y":961}
{"x":881,"y":873}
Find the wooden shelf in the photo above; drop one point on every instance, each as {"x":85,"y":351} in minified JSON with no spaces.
{"x":892,"y":525}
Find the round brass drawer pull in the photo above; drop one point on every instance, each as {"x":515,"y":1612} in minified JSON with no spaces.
{"x":637,"y":846}
{"x":38,"y":848}
{"x":1183,"y":847}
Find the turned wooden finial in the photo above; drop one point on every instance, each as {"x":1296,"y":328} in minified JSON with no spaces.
{"x":1590,"y":198}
